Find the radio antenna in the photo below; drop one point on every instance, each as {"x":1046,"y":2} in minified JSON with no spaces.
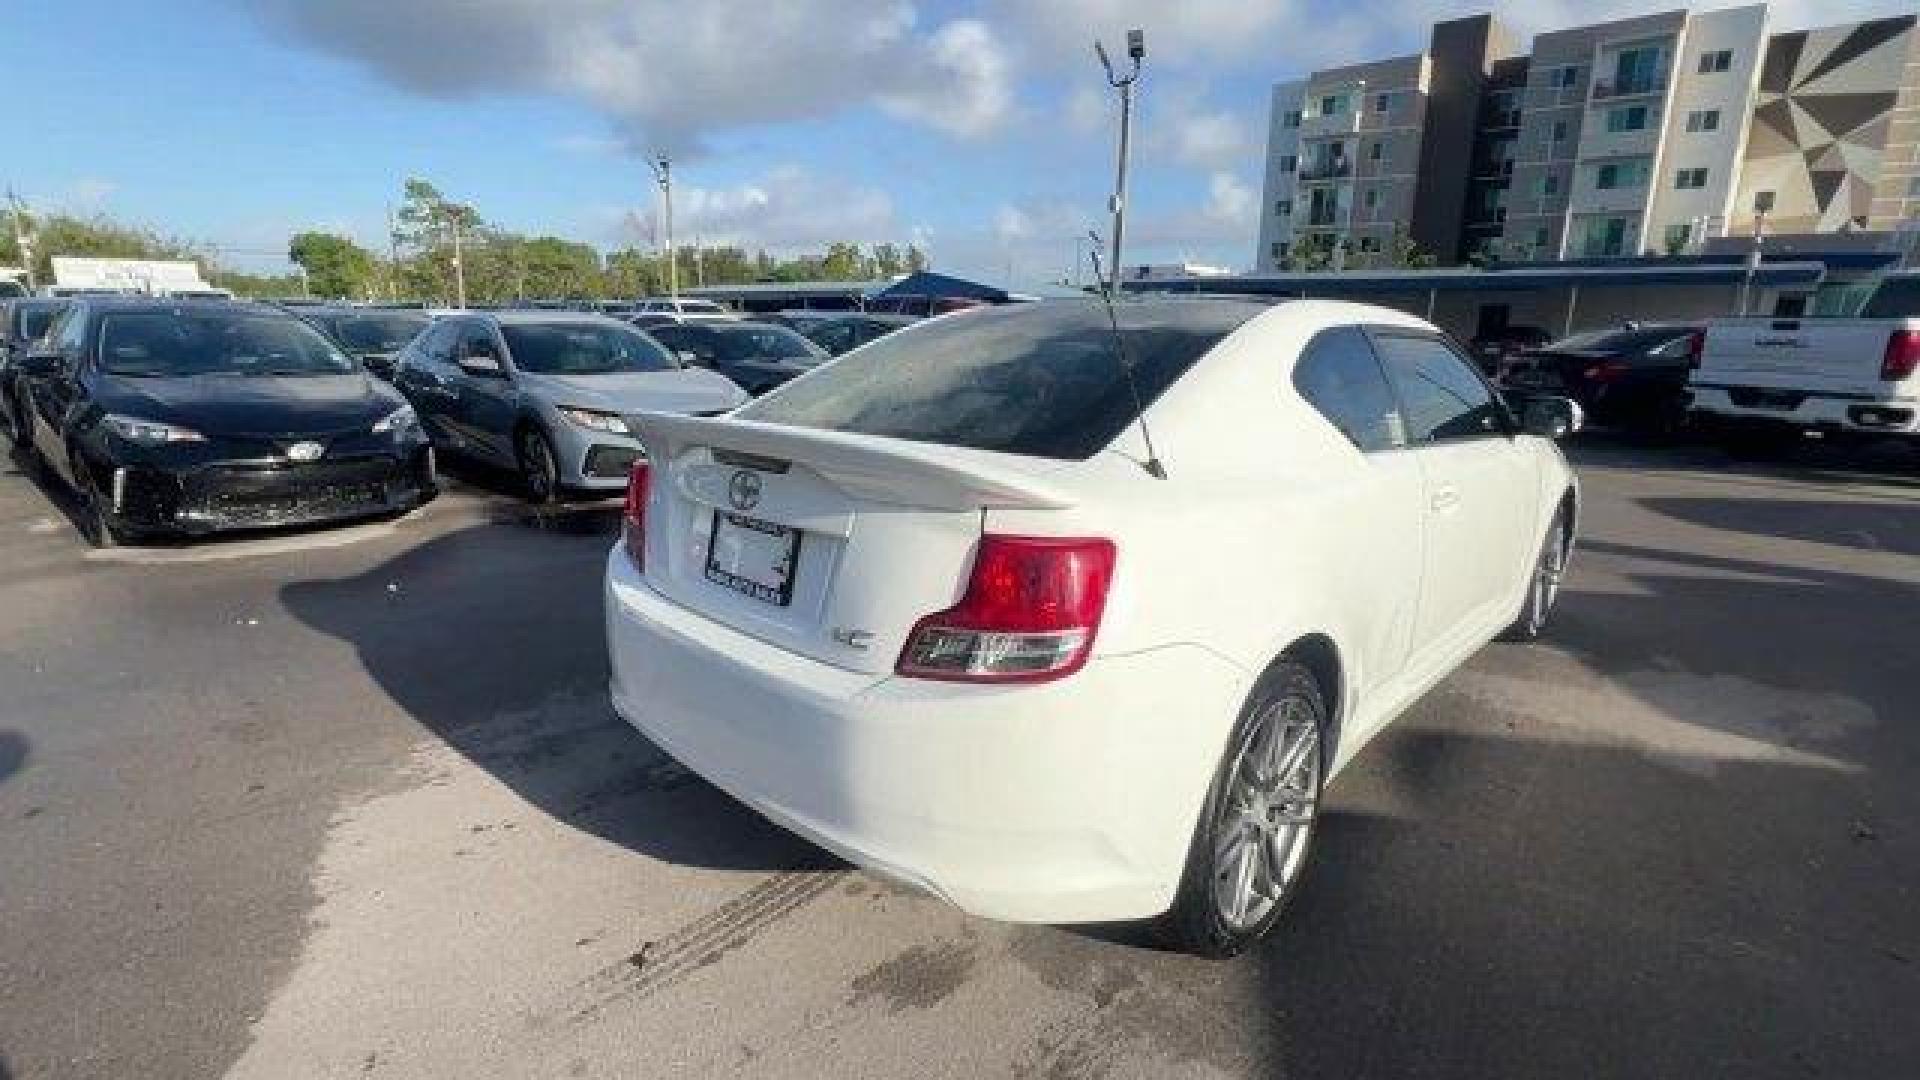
{"x":1152,"y":464}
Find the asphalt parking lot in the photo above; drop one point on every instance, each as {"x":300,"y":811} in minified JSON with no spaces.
{"x":352,"y":803}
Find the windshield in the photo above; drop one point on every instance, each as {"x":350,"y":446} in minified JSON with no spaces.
{"x":743,"y":343}
{"x":183,"y":341}
{"x":382,"y":333}
{"x":583,"y":348}
{"x":1040,"y":379}
{"x":34,"y":320}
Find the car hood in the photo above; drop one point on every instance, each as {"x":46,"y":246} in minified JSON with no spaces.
{"x":255,"y":405}
{"x":690,"y":390}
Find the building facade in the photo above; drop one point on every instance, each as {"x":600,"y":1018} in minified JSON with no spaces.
{"x":1644,"y":136}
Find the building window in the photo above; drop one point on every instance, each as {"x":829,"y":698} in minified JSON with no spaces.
{"x":1283,"y":207}
{"x":1542,"y":238}
{"x":1550,"y":185}
{"x":1279,"y":252}
{"x":1289,"y":163}
{"x":1703,"y":120}
{"x":1333,"y":105}
{"x":1620,"y":174}
{"x":1564,"y":76}
{"x":1370,"y":200}
{"x":1369,"y":244}
{"x":1913,"y":187}
{"x":1378,"y":151}
{"x":1678,"y":237}
{"x":1712,"y":62}
{"x":1290,"y":119}
{"x":1690,"y":179}
{"x":1627,"y":118}
{"x":1382,"y":103}
{"x":1559,"y":131}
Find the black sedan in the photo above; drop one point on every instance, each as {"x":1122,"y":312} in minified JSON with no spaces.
{"x":172,"y":418}
{"x":22,"y":321}
{"x":849,"y":332}
{"x":373,"y":336}
{"x":757,"y":356}
{"x":1633,"y":376}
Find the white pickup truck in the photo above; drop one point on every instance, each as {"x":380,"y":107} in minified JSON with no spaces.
{"x":1776,"y":378}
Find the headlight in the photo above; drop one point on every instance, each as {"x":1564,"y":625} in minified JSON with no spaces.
{"x":593,"y":420}
{"x":148,"y":432}
{"x":400,"y":419}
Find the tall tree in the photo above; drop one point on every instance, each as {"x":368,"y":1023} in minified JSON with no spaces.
{"x":335,"y":265}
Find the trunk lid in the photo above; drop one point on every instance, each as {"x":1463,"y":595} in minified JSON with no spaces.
{"x":1833,"y":356}
{"x":828,"y":544}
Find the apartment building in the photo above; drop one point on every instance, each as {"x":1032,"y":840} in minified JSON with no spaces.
{"x":1640,"y":136}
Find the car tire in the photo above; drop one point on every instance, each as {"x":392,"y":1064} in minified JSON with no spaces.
{"x":539,"y":466}
{"x":1255,"y":832}
{"x":1543,"y":586}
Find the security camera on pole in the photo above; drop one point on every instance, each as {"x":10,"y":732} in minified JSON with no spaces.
{"x":1137,"y":51}
{"x":662,"y":167}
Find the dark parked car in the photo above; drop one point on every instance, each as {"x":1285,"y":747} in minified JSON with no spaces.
{"x":758,"y":356}
{"x":373,"y":336}
{"x":1634,"y":376}
{"x":188,"y":418}
{"x":849,"y":332}
{"x":22,"y":322}
{"x":1492,"y":350}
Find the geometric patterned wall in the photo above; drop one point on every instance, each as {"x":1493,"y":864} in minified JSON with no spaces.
{"x":1820,"y":125}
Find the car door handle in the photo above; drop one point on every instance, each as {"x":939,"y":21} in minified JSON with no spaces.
{"x":1446,"y":500}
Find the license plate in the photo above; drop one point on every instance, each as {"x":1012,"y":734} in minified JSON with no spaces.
{"x":1783,"y":400}
{"x":754,"y":557}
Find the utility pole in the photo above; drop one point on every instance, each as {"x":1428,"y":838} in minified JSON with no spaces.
{"x":1136,"y":51}
{"x":1762,"y":205}
{"x":393,"y":257}
{"x":22,"y":239}
{"x":662,"y":166}
{"x":699,"y":262}
{"x":459,"y":271}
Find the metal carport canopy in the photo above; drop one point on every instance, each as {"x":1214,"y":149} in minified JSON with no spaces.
{"x":1767,"y":275}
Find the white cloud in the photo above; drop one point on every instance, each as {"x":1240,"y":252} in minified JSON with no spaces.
{"x":584,"y":145}
{"x":1230,"y":202}
{"x":668,"y":72}
{"x":787,"y":210}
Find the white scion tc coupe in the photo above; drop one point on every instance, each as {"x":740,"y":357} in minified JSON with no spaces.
{"x":1064,"y":620}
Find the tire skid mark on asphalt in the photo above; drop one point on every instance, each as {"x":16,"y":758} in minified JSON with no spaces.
{"x":1083,"y":1046}
{"x":660,"y":964}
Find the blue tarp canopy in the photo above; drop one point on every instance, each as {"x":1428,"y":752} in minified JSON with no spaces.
{"x":928,"y":283}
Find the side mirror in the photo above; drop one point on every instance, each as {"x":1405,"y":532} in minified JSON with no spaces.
{"x":1551,"y":417}
{"x":43,"y":363}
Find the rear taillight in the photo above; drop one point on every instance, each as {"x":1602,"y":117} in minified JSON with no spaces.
{"x":633,"y":525}
{"x":1903,"y":356}
{"x":1030,"y":612}
{"x":1609,"y":371}
{"x":1696,"y":348}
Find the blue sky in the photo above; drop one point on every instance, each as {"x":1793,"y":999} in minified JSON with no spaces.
{"x":981,"y":130}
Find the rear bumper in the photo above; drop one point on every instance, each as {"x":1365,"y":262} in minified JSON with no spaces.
{"x":1812,"y":412}
{"x":1063,"y":802}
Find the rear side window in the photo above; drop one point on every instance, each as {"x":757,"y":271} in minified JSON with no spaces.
{"x":1039,"y":379}
{"x":34,"y":321}
{"x":1896,"y":298}
{"x":1339,"y":375}
{"x":1442,"y":398}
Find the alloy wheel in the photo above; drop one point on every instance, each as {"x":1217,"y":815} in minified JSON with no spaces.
{"x":537,"y":465}
{"x":1267,"y":817}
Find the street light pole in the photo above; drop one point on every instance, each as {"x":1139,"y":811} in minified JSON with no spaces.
{"x":1136,"y":51}
{"x":663,"y":172}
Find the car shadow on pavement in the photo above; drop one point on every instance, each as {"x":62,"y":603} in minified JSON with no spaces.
{"x":14,"y":750}
{"x":492,"y":639}
{"x":1891,"y":525}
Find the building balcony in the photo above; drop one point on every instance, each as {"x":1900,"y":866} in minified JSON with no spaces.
{"x":1322,"y":172}
{"x":1614,"y":89}
{"x":1326,"y":219}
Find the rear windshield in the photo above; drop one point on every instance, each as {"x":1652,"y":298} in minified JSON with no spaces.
{"x":382,"y":333}
{"x":1633,"y":340}
{"x":740,"y":342}
{"x":1040,"y":379}
{"x":583,"y":348}
{"x":197,"y":340}
{"x":1896,"y":298}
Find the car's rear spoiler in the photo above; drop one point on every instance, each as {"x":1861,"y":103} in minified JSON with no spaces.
{"x":879,"y":469}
